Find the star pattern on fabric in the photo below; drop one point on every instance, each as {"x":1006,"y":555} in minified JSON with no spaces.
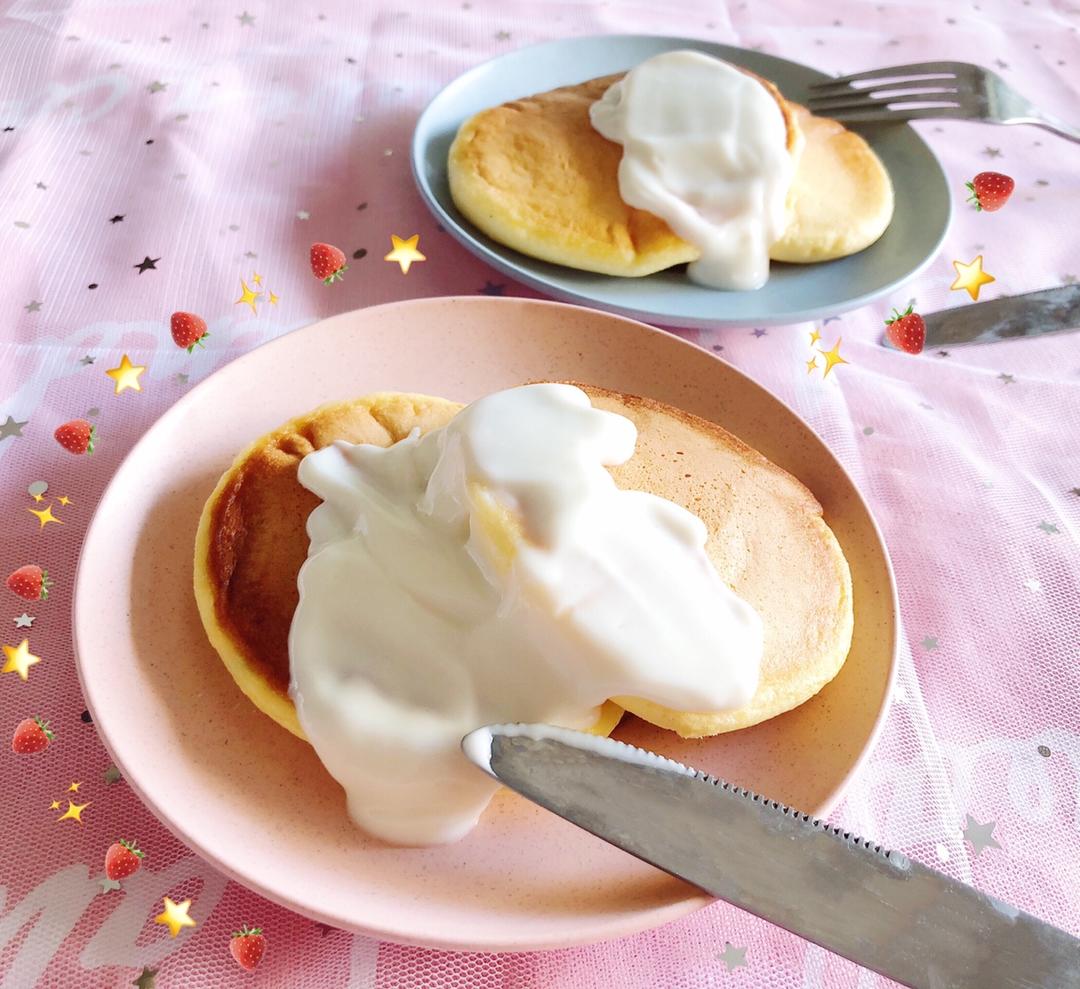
{"x":971,"y":277}
{"x":65,"y":500}
{"x":990,"y":152}
{"x":1048,"y":528}
{"x":405,"y":252}
{"x":87,"y":360}
{"x":979,"y":836}
{"x":303,"y":214}
{"x":493,"y":288}
{"x":732,"y":957}
{"x":760,"y":332}
{"x":811,"y":365}
{"x":1007,"y":379}
{"x":73,"y":812}
{"x":157,"y":87}
{"x":112,"y":775}
{"x":1033,"y":585}
{"x":12,"y":427}
{"x":18,"y":659}
{"x":814,"y":336}
{"x":45,"y":516}
{"x":246,"y":20}
{"x":147,"y":264}
{"x":175,"y":916}
{"x":24,"y":621}
{"x":34,"y":305}
{"x":126,"y":375}
{"x":119,"y":218}
{"x":55,"y":805}
{"x":929,"y":643}
{"x":1075,"y":491}
{"x":108,"y":885}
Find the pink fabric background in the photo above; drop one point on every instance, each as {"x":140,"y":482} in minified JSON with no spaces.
{"x":305,"y":110}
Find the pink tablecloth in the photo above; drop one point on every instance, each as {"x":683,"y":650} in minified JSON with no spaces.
{"x":152,"y":155}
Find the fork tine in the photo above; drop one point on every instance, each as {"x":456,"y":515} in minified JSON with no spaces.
{"x":829,"y":88}
{"x":871,"y":116}
{"x":855,"y":100}
{"x":943,"y":69}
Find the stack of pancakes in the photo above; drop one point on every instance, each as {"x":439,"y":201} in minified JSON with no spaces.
{"x":535,"y":176}
{"x":767,"y":540}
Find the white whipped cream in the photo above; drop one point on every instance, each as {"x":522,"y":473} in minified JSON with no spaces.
{"x":414,"y":627}
{"x":705,"y":149}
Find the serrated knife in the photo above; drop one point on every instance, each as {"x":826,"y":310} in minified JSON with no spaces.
{"x":879,"y":908}
{"x":1050,"y":310}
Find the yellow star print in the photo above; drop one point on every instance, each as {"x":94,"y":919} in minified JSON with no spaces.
{"x":405,"y":252}
{"x":38,"y":497}
{"x":74,"y":812}
{"x":175,"y":915}
{"x":19,"y":659}
{"x":273,"y":299}
{"x":832,"y":358}
{"x":126,"y":375}
{"x":74,"y":788}
{"x":810,"y":365}
{"x":256,"y":279}
{"x":55,"y":805}
{"x":45,"y":516}
{"x":971,"y":276}
{"x":814,"y":336}
{"x":248,"y":297}
{"x":64,"y":500}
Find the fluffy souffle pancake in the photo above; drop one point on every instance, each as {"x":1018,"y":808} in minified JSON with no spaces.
{"x":534,"y":175}
{"x":767,"y":540}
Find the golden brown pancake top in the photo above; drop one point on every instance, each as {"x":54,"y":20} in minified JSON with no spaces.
{"x":258,"y":525}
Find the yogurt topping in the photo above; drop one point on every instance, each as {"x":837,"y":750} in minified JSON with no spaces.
{"x":491,"y":571}
{"x":705,"y":149}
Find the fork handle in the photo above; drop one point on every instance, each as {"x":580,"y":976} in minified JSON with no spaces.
{"x":1055,"y":126}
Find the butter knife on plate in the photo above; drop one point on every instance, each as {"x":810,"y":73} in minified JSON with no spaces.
{"x":878,"y":908}
{"x":1049,"y":310}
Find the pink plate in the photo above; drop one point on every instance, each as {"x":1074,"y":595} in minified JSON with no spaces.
{"x":269,"y":815}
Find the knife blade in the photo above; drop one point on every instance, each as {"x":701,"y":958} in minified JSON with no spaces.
{"x":876,"y":907}
{"x":1050,"y":310}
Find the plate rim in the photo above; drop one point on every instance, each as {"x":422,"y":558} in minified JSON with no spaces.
{"x":506,"y":266}
{"x":614,"y":927}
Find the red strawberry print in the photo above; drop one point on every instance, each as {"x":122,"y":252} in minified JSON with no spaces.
{"x":123,"y":859}
{"x":906,"y":330}
{"x":990,"y":191}
{"x":32,"y":735}
{"x":76,"y":436}
{"x":30,"y":582}
{"x":328,"y":262}
{"x":247,"y":946}
{"x":188,"y":330}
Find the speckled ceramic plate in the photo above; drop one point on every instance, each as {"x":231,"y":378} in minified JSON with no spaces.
{"x":267,"y":813}
{"x":793,"y":292}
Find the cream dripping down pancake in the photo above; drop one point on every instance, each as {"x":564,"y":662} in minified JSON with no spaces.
{"x":764,"y":540}
{"x":623,"y":175}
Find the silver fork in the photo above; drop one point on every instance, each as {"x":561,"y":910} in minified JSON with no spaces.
{"x":957,"y":90}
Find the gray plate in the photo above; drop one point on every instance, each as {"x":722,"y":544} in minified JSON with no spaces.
{"x":793,"y":293}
